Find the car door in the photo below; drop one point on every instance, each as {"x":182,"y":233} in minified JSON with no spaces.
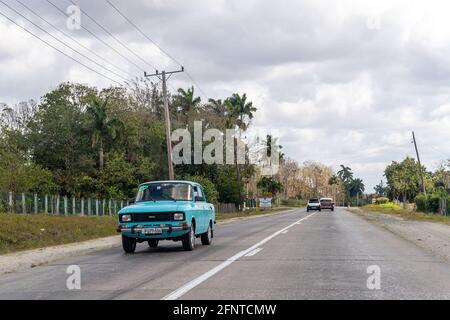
{"x":200,"y":206}
{"x":209,"y":210}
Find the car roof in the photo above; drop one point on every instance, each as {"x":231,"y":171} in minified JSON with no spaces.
{"x":171,"y":181}
{"x":326,"y":198}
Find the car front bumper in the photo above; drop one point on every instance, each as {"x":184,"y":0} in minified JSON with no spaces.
{"x":168,"y":231}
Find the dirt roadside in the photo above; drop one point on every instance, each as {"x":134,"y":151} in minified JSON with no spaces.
{"x":433,"y":237}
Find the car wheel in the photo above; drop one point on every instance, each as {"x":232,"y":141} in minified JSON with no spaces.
{"x":207,"y":237}
{"x":332,"y":209}
{"x":189,"y":239}
{"x":128,"y":244}
{"x":153,"y":243}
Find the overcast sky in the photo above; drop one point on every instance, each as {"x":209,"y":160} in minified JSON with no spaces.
{"x":341,"y":82}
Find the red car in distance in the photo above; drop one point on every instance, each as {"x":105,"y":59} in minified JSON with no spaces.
{"x":326,"y":203}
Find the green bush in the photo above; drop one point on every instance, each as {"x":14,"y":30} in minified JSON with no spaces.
{"x":421,"y":202}
{"x":382,"y":200}
{"x":210,"y":190}
{"x":433,"y":203}
{"x":429,"y":203}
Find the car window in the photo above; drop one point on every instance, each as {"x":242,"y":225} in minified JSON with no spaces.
{"x":164,"y":191}
{"x":198,"y":193}
{"x":314,"y":200}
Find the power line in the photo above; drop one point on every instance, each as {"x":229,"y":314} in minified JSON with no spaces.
{"x":73,"y":39}
{"x":63,"y":43}
{"x":60,"y":51}
{"x":112,"y":36}
{"x":156,"y":44}
{"x":142,"y":32}
{"x":98,"y":38}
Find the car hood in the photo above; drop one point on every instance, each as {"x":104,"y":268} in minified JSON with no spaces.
{"x":158,"y":206}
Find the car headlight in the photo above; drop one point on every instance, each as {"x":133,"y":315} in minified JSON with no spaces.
{"x":179,"y":216}
{"x":126,"y":218}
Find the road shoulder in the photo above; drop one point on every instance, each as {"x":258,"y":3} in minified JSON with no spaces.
{"x":431,"y":236}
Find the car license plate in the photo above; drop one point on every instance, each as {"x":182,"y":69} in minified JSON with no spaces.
{"x":150,"y":231}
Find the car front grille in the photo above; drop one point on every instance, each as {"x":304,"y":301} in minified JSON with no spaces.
{"x":152,"y":216}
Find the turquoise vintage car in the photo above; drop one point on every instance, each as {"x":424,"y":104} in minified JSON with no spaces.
{"x":167,"y":210}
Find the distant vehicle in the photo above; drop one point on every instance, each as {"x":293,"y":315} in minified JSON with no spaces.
{"x":313,"y":204}
{"x":327,"y":203}
{"x":167,"y":210}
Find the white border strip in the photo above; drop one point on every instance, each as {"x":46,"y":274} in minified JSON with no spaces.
{"x":254,"y":252}
{"x":194,"y":283}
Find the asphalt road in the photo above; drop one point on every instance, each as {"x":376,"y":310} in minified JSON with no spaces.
{"x":294,"y":255}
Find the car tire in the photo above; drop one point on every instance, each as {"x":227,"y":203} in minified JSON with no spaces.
{"x":307,"y":210}
{"x":128,"y":244}
{"x":189,"y":239}
{"x":207,"y":236}
{"x":332,"y":209}
{"x":320,"y":210}
{"x":153,"y":243}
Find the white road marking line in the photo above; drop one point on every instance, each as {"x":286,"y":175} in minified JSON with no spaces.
{"x":192,"y":284}
{"x":285,"y":231}
{"x":251,"y":254}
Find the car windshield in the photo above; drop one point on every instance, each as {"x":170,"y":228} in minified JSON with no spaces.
{"x":164,"y":192}
{"x":314,"y":200}
{"x":326,"y":200}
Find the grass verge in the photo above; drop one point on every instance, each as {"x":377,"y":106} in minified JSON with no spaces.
{"x":393,"y":209}
{"x":249,"y":213}
{"x":24,"y":232}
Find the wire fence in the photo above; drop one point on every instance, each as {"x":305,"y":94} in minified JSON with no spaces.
{"x":32,"y":203}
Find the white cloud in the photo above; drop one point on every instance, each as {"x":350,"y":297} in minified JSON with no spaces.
{"x":340,"y":81}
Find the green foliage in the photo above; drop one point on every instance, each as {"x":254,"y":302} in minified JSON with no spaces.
{"x":210,"y":190}
{"x":227,"y":186}
{"x":79,"y":141}
{"x":403,"y":178}
{"x":382,"y":200}
{"x":18,"y":176}
{"x":269,"y":185}
{"x":428,"y":203}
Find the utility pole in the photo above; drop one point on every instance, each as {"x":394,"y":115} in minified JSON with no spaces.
{"x":164,"y":77}
{"x":420,"y":165}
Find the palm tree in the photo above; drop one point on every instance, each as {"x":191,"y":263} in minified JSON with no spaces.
{"x":102,"y":127}
{"x":218,"y":107}
{"x":240,"y":113}
{"x":356,"y":188}
{"x":346,"y":176}
{"x":241,"y":109}
{"x":187,"y":101}
{"x":221,"y":114}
